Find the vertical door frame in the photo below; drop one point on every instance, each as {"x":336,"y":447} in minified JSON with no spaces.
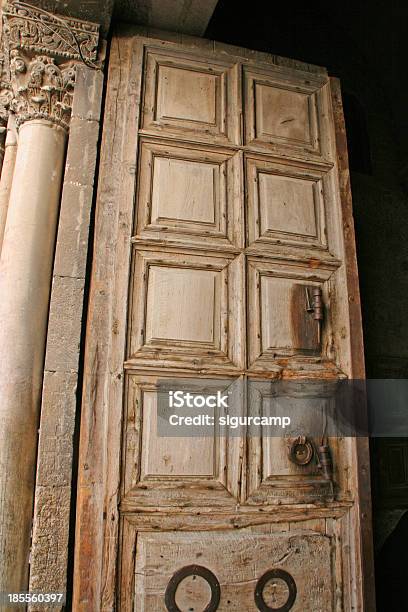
{"x":97,"y":525}
{"x":362,"y":466}
{"x":97,"y":522}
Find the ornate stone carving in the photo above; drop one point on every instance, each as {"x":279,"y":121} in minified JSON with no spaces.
{"x":35,"y":30}
{"x":6,"y":93}
{"x":42,"y":89}
{"x":38,"y":62}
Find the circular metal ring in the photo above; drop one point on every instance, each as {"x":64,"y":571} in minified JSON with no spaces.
{"x":260,"y":585}
{"x":306,"y":449}
{"x":192,"y":570}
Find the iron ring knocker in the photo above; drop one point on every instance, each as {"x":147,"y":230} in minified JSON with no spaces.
{"x":192,"y":570}
{"x":260,"y":585}
{"x":301,"y":451}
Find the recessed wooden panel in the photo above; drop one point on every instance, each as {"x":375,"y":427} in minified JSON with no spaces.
{"x":189,"y":194}
{"x":184,"y":310}
{"x":172,"y":457}
{"x":285,"y":204}
{"x":290,"y":120}
{"x":245,"y":558}
{"x":185,"y":96}
{"x":169,"y":316}
{"x":162,"y":467}
{"x":282,"y":112}
{"x":278,"y":313}
{"x":282,"y":326}
{"x":184,"y":190}
{"x":272,"y":477}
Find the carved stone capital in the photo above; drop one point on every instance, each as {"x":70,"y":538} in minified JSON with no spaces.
{"x":38,"y":62}
{"x":41,"y":88}
{"x":6,"y":93}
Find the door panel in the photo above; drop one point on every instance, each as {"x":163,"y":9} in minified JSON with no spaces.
{"x":278,"y":317}
{"x":190,"y":194}
{"x":190,"y":97}
{"x":305,"y":558}
{"x":294,"y":122}
{"x":163,"y":470}
{"x":273,"y":476}
{"x":185,"y":310}
{"x":220,"y":262}
{"x":285,"y":204}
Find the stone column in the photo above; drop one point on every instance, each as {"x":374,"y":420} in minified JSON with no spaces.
{"x":7,"y":174}
{"x":25,"y":273}
{"x":42,"y":84}
{"x":3,"y":130}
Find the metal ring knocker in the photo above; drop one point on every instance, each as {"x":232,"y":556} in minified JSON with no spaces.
{"x":301,"y":451}
{"x":192,"y":570}
{"x":262,"y":582}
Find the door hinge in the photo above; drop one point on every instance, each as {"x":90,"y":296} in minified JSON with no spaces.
{"x":314,"y":305}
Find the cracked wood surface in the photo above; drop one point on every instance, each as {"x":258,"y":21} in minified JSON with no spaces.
{"x":124,"y":492}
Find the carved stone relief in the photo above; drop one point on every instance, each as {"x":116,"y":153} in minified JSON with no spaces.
{"x":38,"y":31}
{"x":40,"y":52}
{"x":42,"y":89}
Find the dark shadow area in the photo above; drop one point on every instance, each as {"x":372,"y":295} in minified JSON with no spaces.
{"x":358,"y":141}
{"x":365,"y":44}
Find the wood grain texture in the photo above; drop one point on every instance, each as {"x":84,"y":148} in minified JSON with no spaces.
{"x":181,"y":294}
{"x":171,"y":471}
{"x":189,"y":195}
{"x":187,"y":96}
{"x":285,"y":204}
{"x":97,"y":508}
{"x":294,"y":122}
{"x":183,"y":310}
{"x":245,"y":557}
{"x":362,"y":480}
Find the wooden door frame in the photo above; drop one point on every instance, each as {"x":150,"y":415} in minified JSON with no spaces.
{"x":362,"y":467}
{"x":97,"y":524}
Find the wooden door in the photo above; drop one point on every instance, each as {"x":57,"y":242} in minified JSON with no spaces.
{"x":223,"y":203}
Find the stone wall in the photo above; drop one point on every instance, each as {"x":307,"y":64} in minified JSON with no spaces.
{"x":61,"y":395}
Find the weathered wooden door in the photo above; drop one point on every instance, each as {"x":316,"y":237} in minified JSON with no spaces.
{"x":223,"y":212}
